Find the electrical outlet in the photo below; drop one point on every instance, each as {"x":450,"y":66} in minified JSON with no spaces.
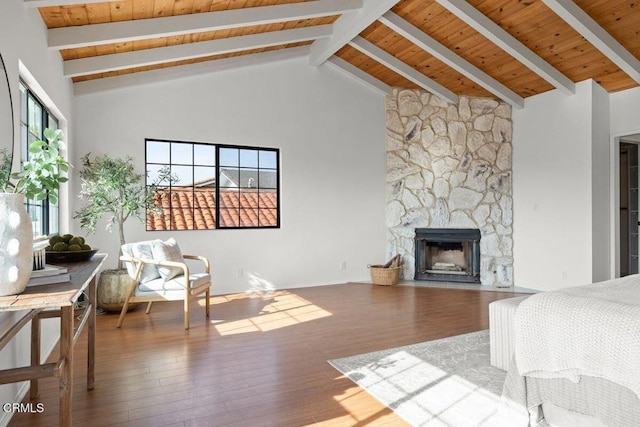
{"x":564,"y":275}
{"x":343,"y":265}
{"x":240,"y":273}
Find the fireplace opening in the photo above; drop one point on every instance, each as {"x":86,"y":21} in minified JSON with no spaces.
{"x":447,"y":255}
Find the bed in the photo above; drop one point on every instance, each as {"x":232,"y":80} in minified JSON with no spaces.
{"x":577,"y":357}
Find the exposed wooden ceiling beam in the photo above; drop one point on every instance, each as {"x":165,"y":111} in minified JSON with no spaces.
{"x":403,"y":69}
{"x":347,"y":27}
{"x":49,"y":3}
{"x":120,"y":61}
{"x":597,"y":36}
{"x":117,"y":32}
{"x":437,"y":49}
{"x":359,"y":75}
{"x":184,"y":71}
{"x":509,"y":44}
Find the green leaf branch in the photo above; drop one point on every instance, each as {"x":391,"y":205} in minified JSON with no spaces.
{"x":111,"y":187}
{"x":41,"y":175}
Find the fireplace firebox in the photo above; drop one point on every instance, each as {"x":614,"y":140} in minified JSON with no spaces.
{"x":447,"y":255}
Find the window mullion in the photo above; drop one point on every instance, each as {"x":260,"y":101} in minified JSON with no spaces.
{"x":193,"y":189}
{"x":217,"y":188}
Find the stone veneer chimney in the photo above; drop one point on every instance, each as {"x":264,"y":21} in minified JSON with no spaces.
{"x":449,"y":166}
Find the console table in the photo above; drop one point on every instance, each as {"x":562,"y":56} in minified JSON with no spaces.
{"x":56,"y":300}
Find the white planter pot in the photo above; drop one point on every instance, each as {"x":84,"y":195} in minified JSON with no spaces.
{"x":16,"y":244}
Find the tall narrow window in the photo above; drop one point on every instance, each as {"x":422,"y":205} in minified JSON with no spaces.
{"x":34,"y":119}
{"x":206,"y":186}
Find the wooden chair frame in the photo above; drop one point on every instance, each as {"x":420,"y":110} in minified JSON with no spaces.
{"x":187,"y":296}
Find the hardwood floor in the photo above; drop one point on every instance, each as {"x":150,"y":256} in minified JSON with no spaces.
{"x":261,"y":360}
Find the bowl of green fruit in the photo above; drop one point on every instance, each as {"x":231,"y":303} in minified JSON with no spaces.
{"x":68,"y":248}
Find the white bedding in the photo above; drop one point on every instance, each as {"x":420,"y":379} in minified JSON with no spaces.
{"x":596,"y":398}
{"x":587,"y":330}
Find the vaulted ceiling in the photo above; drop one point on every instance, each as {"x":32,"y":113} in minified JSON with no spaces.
{"x":509,"y":49}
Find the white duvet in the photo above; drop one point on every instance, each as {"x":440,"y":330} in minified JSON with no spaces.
{"x":587,"y":330}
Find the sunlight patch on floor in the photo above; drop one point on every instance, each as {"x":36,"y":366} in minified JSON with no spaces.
{"x":415,"y":389}
{"x":354,"y":400}
{"x":281,"y":309}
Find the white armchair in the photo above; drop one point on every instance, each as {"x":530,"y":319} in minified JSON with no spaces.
{"x":159,"y":272}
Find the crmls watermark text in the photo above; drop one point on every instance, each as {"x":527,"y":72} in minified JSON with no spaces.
{"x":33,"y":408}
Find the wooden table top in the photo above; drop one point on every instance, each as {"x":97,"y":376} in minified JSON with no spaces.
{"x":56,"y":295}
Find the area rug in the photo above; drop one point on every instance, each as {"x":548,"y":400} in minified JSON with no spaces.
{"x":447,"y":382}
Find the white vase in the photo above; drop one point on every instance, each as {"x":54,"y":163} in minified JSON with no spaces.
{"x":16,"y":244}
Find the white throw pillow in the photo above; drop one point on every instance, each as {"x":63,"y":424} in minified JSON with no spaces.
{"x":167,"y":251}
{"x":141,"y":250}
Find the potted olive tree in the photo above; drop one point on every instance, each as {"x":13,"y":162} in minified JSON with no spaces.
{"x":113,"y":189}
{"x":39,"y":178}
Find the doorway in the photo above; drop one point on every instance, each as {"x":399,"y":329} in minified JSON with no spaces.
{"x":629,"y":203}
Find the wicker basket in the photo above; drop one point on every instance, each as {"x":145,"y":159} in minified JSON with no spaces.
{"x":386,"y":276}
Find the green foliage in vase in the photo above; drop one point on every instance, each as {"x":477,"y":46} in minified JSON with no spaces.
{"x":41,"y":175}
{"x":5,"y":170}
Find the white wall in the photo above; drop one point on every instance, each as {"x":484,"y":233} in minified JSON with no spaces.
{"x":557,"y":144}
{"x":23,"y":38}
{"x":624,"y":111}
{"x":330,"y":130}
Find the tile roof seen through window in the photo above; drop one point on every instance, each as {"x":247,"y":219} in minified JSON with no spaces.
{"x":186,"y":208}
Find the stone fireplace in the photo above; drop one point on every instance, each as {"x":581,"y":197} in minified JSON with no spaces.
{"x":447,"y":255}
{"x":449,"y":167}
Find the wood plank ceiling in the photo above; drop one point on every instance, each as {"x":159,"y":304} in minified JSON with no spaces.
{"x":509,"y":49}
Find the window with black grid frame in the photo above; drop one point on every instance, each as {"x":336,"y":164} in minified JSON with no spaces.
{"x":212,"y":186}
{"x":35,"y":117}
